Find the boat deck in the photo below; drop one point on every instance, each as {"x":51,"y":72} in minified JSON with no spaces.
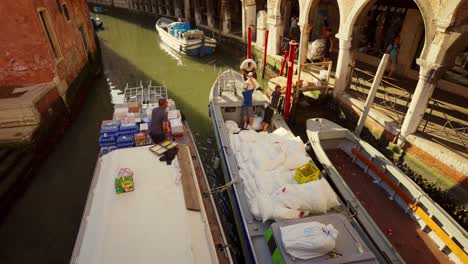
{"x":163,"y":220}
{"x":412,"y":243}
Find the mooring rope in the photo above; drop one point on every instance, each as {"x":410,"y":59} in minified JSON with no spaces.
{"x":219,"y":189}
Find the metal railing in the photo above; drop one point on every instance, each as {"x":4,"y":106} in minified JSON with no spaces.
{"x":396,"y":102}
{"x":436,"y":122}
{"x":452,"y":130}
{"x":145,"y":95}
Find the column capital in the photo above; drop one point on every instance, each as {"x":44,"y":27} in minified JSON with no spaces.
{"x":429,"y":70}
{"x":343,"y":37}
{"x":305,"y":27}
{"x":274,"y":20}
{"x":248,"y":2}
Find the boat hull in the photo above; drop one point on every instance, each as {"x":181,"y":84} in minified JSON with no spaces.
{"x":204,"y":47}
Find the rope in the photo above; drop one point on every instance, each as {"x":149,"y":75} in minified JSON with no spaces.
{"x":219,"y":189}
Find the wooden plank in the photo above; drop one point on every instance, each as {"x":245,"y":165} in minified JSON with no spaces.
{"x":188,"y":185}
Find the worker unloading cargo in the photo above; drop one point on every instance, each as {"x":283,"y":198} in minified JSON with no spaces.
{"x":248,"y":66}
{"x":272,"y":106}
{"x":247,"y":108}
{"x":159,"y":126}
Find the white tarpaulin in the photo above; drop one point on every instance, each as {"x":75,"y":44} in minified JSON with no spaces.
{"x":148,"y":225}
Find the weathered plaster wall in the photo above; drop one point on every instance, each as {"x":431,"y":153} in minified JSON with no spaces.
{"x":26,"y":56}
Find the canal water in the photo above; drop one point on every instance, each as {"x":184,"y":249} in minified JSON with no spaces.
{"x":42,"y":226}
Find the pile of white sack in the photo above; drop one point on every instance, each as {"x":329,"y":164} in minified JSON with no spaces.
{"x":268,"y":162}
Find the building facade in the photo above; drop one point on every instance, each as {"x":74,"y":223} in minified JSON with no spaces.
{"x":45,"y":47}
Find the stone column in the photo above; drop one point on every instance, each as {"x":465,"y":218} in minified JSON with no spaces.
{"x":187,"y":15}
{"x":198,"y":15}
{"x":156,"y":7}
{"x":161,"y":9}
{"x":210,"y":13}
{"x":261,"y":27}
{"x":342,"y":65}
{"x":168,"y":10}
{"x":429,"y":74}
{"x":249,"y":16}
{"x":304,"y":42}
{"x":411,"y":31}
{"x":177,"y":8}
{"x":276,"y":28}
{"x":226,"y":16}
{"x":287,"y":17}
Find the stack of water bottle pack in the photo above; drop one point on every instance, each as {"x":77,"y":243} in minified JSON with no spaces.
{"x":126,"y":135}
{"x":108,"y":136}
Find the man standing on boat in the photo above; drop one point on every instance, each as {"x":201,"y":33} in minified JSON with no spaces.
{"x":248,"y":66}
{"x":272,"y":106}
{"x":159,"y":126}
{"x":247,"y":108}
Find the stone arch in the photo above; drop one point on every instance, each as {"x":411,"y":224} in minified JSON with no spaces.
{"x":456,"y":47}
{"x":460,"y":17}
{"x":423,"y":6}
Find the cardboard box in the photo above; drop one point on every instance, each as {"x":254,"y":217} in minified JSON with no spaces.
{"x":134,"y":107}
{"x":173,"y":114}
{"x":177,"y":127}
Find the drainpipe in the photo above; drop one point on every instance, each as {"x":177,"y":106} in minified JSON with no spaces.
{"x":292,"y":49}
{"x":265,"y":52}
{"x":285,"y":59}
{"x":249,"y":43}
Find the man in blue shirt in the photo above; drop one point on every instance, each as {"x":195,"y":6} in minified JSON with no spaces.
{"x":159,"y":122}
{"x":393,"y":49}
{"x":247,"y":108}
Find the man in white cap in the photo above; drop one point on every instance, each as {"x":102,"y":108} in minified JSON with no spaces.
{"x":248,"y":66}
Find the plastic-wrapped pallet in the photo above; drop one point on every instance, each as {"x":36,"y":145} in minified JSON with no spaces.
{"x":125,"y":141}
{"x":106,"y":141}
{"x":128,"y":129}
{"x":110,"y":128}
{"x":111,"y":123}
{"x":176,"y":126}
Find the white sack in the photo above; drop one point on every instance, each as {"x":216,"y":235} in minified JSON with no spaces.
{"x":315,"y":197}
{"x":296,"y":155}
{"x":309,"y":240}
{"x":231,"y":126}
{"x":272,"y":208}
{"x":248,"y":136}
{"x":257,"y":122}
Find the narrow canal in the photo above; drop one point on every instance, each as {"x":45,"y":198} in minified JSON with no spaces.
{"x":42,"y":226}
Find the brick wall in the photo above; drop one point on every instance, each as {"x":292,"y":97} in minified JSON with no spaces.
{"x":26,"y":56}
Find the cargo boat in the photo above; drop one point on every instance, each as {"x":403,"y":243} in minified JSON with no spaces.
{"x":164,"y":219}
{"x":180,"y":37}
{"x":225,"y":103}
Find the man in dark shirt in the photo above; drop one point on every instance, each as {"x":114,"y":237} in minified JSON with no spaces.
{"x":271,"y":107}
{"x":159,"y":122}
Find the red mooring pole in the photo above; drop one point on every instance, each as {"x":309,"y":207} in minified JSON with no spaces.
{"x":285,"y":59}
{"x":249,"y":43}
{"x":292,"y":49}
{"x":265,"y":52}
